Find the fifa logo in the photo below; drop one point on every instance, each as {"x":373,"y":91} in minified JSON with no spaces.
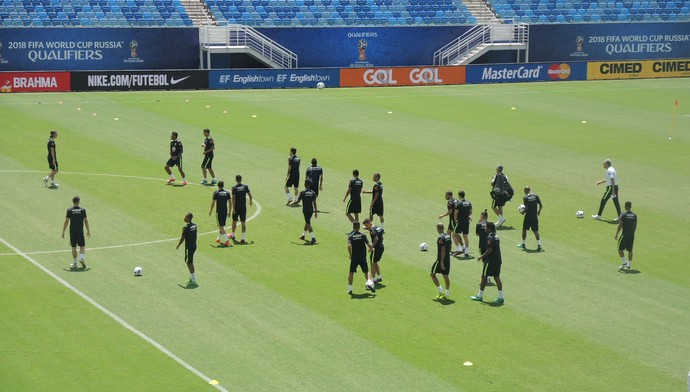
{"x":362,"y":46}
{"x":580,"y":42}
{"x":133,"y":45}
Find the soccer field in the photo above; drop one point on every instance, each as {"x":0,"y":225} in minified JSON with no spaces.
{"x":274,"y":314}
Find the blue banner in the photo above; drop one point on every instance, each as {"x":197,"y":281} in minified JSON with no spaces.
{"x":273,"y":78}
{"x":51,"y":49}
{"x":611,"y":41}
{"x":359,"y":47}
{"x":532,"y":72}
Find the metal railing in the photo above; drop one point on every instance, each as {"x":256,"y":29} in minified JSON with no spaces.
{"x":480,"y":35}
{"x":247,"y":37}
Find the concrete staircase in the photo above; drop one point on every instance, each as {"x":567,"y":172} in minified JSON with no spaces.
{"x":198,"y":12}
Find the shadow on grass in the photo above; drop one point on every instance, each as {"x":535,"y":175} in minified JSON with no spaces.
{"x":444,"y":302}
{"x":362,"y":296}
{"x":630,"y":272}
{"x":463,"y":257}
{"x":77,"y":269}
{"x":189,"y":287}
{"x":493,"y":304}
{"x":305,"y":243}
{"x":240,"y":243}
{"x":534,"y":250}
{"x":220,"y":246}
{"x":503,"y":227}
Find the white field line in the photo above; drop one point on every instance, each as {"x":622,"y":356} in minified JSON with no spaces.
{"x":40,"y":252}
{"x":115,"y":317}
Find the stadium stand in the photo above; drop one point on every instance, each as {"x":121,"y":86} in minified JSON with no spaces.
{"x":289,"y":13}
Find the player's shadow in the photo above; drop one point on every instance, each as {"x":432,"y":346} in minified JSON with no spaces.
{"x":362,"y":296}
{"x":494,"y":304}
{"x":189,"y":287}
{"x":611,"y":222}
{"x":175,"y":185}
{"x":240,"y":243}
{"x":220,"y":246}
{"x":323,"y":212}
{"x":305,"y":243}
{"x":294,"y":205}
{"x":380,"y":286}
{"x":463,"y":257}
{"x":503,"y":227}
{"x":630,"y":272}
{"x":444,"y":302}
{"x":533,"y":250}
{"x":77,"y":269}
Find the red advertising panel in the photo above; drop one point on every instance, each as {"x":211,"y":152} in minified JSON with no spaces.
{"x":12,"y":82}
{"x":417,"y":76}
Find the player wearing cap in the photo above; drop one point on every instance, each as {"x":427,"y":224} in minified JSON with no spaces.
{"x":611,"y":191}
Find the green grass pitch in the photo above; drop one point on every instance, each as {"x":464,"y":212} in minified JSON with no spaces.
{"x":274,"y":314}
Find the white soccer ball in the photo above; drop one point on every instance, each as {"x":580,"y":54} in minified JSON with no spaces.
{"x":423,"y":246}
{"x":138,"y":271}
{"x":580,"y":214}
{"x":521,"y":208}
{"x":320,"y":85}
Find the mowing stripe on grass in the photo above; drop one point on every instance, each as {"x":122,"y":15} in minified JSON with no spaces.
{"x":112,"y":315}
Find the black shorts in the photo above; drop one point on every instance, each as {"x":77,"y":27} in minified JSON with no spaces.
{"x":221,"y":218}
{"x":307,"y":216}
{"x":207,"y":163}
{"x":492,"y":269}
{"x":292,"y":181}
{"x":189,"y":255}
{"x":175,"y":162}
{"x":239,"y":215}
{"x":436,"y":267}
{"x":315,"y":188}
{"x":625,"y":242}
{"x":530,"y":222}
{"x":52,"y":165}
{"x":462,"y":227}
{"x":354,"y":206}
{"x":377,"y":209}
{"x":375,"y":256}
{"x":360,"y":262}
{"x":451,"y":224}
{"x":77,"y":239}
{"x":500,"y":201}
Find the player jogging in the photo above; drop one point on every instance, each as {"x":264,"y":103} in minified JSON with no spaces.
{"x":357,"y":245}
{"x":442,"y":263}
{"x":221,"y":201}
{"x":292,"y":178}
{"x":376,"y":234}
{"x":611,"y":191}
{"x":315,"y":175}
{"x":189,"y":232}
{"x":239,"y":207}
{"x":354,"y":190}
{"x":376,"y":191}
{"x":532,"y":211}
{"x":492,"y":264}
{"x":209,"y":147}
{"x":52,"y":161}
{"x":176,"y":149}
{"x":76,"y":219}
{"x":308,"y":199}
{"x":628,"y":224}
{"x":463,"y":213}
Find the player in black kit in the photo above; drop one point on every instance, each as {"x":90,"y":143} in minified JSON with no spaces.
{"x":76,"y":219}
{"x":357,"y":245}
{"x":354,"y":190}
{"x":442,"y":263}
{"x":308,"y":199}
{"x":452,"y":213}
{"x":221,"y":201}
{"x":239,"y":207}
{"x":176,"y":150}
{"x":532,"y":211}
{"x":376,"y":234}
{"x":292,"y":178}
{"x":315,"y":175}
{"x":492,"y":263}
{"x":627,"y":222}
{"x":207,"y":164}
{"x":463,"y":213}
{"x":376,"y":207}
{"x":52,"y":161}
{"x":189,"y":233}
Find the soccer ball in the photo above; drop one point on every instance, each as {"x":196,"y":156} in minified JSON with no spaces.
{"x":580,"y":214}
{"x":521,"y":208}
{"x":138,"y":271}
{"x":320,"y":85}
{"x":423,"y":246}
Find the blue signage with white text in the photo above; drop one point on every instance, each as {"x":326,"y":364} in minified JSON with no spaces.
{"x":610,"y":41}
{"x":273,"y":78}
{"x":530,"y":72}
{"x":53,"y":49}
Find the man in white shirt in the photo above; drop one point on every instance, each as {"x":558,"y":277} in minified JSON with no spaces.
{"x":611,"y":181}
